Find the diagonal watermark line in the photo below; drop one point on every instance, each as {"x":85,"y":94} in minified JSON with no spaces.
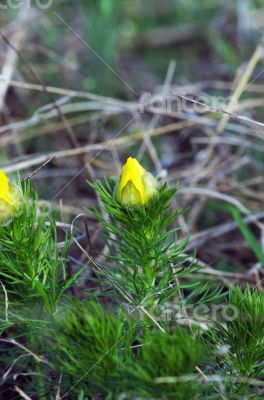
{"x":251,"y":290}
{"x":96,"y":155}
{"x":242,"y":119}
{"x":94,"y":52}
{"x":257,"y":341}
{"x":115,"y":344}
{"x":253,"y":80}
{"x":98,"y":361}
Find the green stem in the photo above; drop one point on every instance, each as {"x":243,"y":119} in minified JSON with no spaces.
{"x":150,"y":279}
{"x":41,"y":382}
{"x":40,"y":377}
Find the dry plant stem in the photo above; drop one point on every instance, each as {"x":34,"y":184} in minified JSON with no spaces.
{"x":223,"y":85}
{"x":224,"y":197}
{"x":125,"y":106}
{"x":116,"y":143}
{"x":211,"y":378}
{"x":5,"y":375}
{"x":147,"y":142}
{"x":18,"y":37}
{"x":9,"y":65}
{"x":13,"y":132}
{"x":131,"y":105}
{"x":231,"y":140}
{"x":212,"y":146}
{"x":58,"y":394}
{"x":199,"y":239}
{"x":39,"y":359}
{"x":22,"y":393}
{"x":70,"y":132}
{"x":216,"y":194}
{"x":207,"y":380}
{"x":6,"y":301}
{"x":47,"y":129}
{"x":71,"y":93}
{"x":207,"y":270}
{"x":38,"y":169}
{"x":199,"y":205}
{"x":152,"y":319}
{"x":241,"y":86}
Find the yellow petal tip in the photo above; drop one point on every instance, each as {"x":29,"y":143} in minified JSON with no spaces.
{"x":136,"y":185}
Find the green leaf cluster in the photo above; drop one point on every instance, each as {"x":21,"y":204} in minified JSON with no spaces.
{"x":145,"y":255}
{"x":105,"y":352}
{"x":121,"y":350}
{"x":245,"y":332}
{"x":32,"y":267}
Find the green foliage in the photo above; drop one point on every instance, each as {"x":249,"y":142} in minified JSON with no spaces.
{"x":171,"y":355}
{"x":100,"y":350}
{"x":94,"y":350}
{"x":167,"y":356}
{"x":92,"y":343}
{"x":225,"y":51}
{"x":144,"y":253}
{"x":61,"y":341}
{"x":245,"y":333}
{"x":32,"y":268}
{"x":33,"y":280}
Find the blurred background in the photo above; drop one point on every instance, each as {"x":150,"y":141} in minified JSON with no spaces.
{"x":76,"y":84}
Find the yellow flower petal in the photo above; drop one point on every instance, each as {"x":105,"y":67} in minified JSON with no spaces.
{"x":4,"y":186}
{"x":136,"y":185}
{"x":10,"y":198}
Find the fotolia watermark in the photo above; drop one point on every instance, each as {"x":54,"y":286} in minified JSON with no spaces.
{"x":180,"y":103}
{"x":199,"y":313}
{"x":25,"y":4}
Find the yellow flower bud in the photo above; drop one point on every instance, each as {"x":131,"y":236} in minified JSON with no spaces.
{"x":10,"y":199}
{"x":136,"y":185}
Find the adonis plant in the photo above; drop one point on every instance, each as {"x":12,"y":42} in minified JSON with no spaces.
{"x":112,"y":341}
{"x":145,"y":256}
